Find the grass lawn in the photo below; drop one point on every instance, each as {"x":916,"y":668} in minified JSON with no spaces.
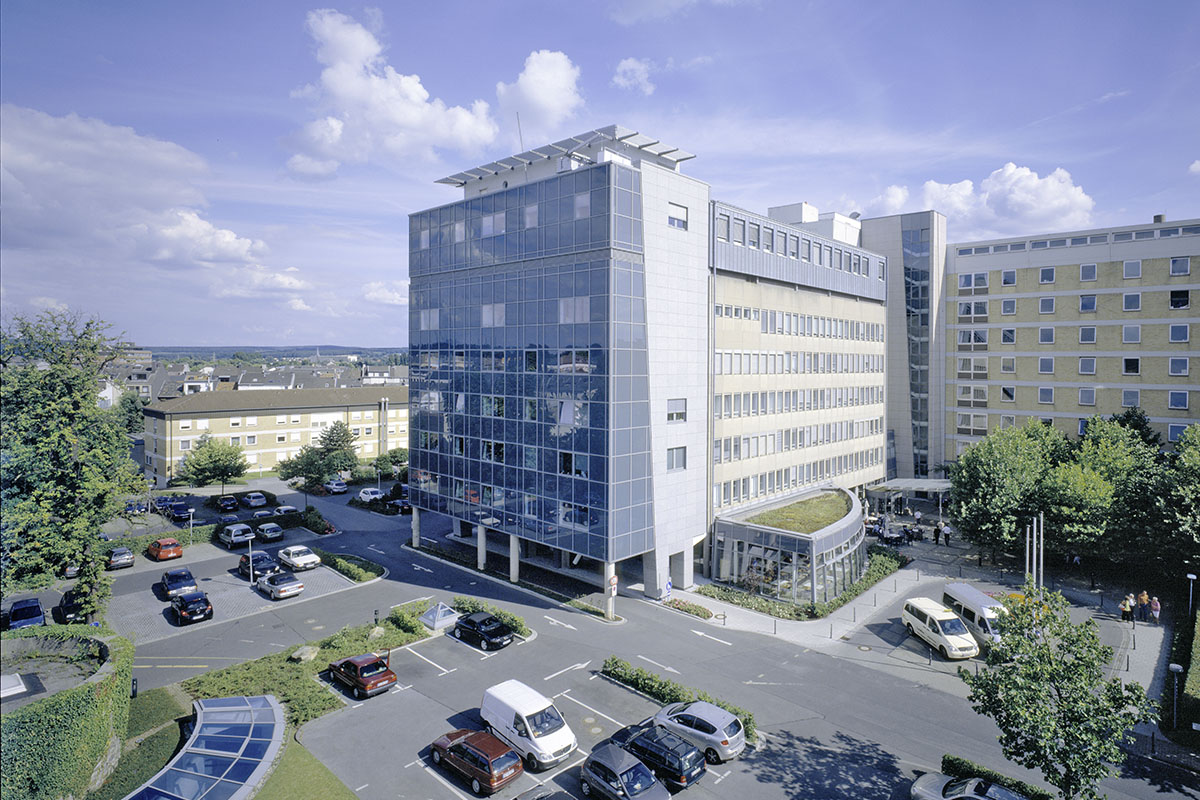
{"x":300,"y":774}
{"x":139,"y":764}
{"x":150,"y":709}
{"x":806,"y":516}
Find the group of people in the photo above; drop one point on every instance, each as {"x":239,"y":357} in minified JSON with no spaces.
{"x":1146,"y":607}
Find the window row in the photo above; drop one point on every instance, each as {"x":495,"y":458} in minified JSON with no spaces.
{"x":793,"y":363}
{"x":789,"y":324}
{"x":752,"y":404}
{"x":1174,"y":430}
{"x":571,"y":413}
{"x":1177,"y":400}
{"x":789,"y":245}
{"x":1130,"y":334}
{"x":1076,"y":241}
{"x":738,"y":448}
{"x":743,"y":490}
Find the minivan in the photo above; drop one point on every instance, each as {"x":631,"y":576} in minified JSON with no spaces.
{"x":528,"y":721}
{"x":979,"y":612}
{"x":937,"y":625}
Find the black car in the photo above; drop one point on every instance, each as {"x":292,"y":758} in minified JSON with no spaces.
{"x":70,"y":608}
{"x":227,"y":502}
{"x":675,"y":761}
{"x":179,"y":511}
{"x":191,"y":607}
{"x":177,"y":581}
{"x":263,"y":565}
{"x":483,"y":629}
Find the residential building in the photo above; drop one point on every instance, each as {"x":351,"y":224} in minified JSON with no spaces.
{"x":605,"y":364}
{"x":271,"y":426}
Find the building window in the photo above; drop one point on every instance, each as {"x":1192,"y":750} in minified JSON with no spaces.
{"x":1132,"y":301}
{"x":1177,"y":366}
{"x":1082,"y":429}
{"x":1087,"y":272}
{"x":1087,"y":334}
{"x":1087,"y":396}
{"x":295,"y":419}
{"x":493,"y":406}
{"x":1175,"y":432}
{"x":1133,"y":269}
{"x":677,"y":216}
{"x":794,"y":248}
{"x":1008,"y":421}
{"x":1008,"y":277}
{"x":676,"y":458}
{"x":1131,"y":334}
{"x":251,"y":440}
{"x":531,"y":220}
{"x":739,"y":231}
{"x":1008,"y":393}
{"x":1178,"y":333}
{"x":185,"y":424}
{"x":492,"y":451}
{"x":1177,"y":400}
{"x":1046,"y":305}
{"x":493,"y":315}
{"x":752,"y":241}
{"x":1008,"y":336}
{"x":1008,"y":364}
{"x":1046,"y":275}
{"x":1181,"y":266}
{"x":1087,"y":303}
{"x":583,"y":207}
{"x":235,"y":440}
{"x":1045,"y":394}
{"x":1045,"y":335}
{"x":1131,"y":366}
{"x":249,"y":421}
{"x":768,"y":239}
{"x":1180,"y":298}
{"x":235,"y":422}
{"x":723,"y":227}
{"x":1087,"y":365}
{"x":280,"y":438}
{"x":1008,"y":307}
{"x":1046,"y":365}
{"x":185,"y":444}
{"x":1130,"y":398}
{"x":677,"y":410}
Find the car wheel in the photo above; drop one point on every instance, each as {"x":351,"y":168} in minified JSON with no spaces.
{"x":359,"y":693}
{"x":457,"y":633}
{"x":711,"y":756}
{"x":483,"y":644}
{"x":945,"y":655}
{"x":476,"y":787}
{"x":586,"y":788}
{"x":910,"y":630}
{"x":531,"y":762}
{"x":437,"y":757}
{"x":487,"y":726}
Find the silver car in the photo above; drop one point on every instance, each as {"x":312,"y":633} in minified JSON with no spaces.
{"x":714,"y":730}
{"x":612,"y":773}
{"x":936,"y":786}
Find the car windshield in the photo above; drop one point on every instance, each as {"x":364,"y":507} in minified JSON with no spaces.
{"x":506,"y":761}
{"x":26,"y":612}
{"x":491,"y":625}
{"x":733,"y":728}
{"x":192,"y":605}
{"x":300,"y":552}
{"x":637,"y":779}
{"x":548,"y":720}
{"x":953,"y":627}
{"x":371,"y":670}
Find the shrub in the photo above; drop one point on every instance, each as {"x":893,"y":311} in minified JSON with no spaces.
{"x":689,"y":608}
{"x":379,"y":505}
{"x":957,"y":767}
{"x":360,"y":475}
{"x":139,"y":544}
{"x":355,"y":568}
{"x":667,"y":691}
{"x":407,"y":617}
{"x":469,"y":605}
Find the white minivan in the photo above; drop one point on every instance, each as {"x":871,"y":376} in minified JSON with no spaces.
{"x":978,"y":611}
{"x":528,"y":721}
{"x":937,"y":625}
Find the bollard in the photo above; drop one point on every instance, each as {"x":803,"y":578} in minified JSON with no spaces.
{"x":855,"y":610}
{"x":774,"y":626}
{"x":133,"y":691}
{"x":1127,"y":662}
{"x":831,"y":630}
{"x":960,"y":570}
{"x":929,"y":654}
{"x":918,"y":574}
{"x":895,"y":587}
{"x":875,"y":599}
{"x":1135,"y":641}
{"x":377,"y":616}
{"x":1153,"y":751}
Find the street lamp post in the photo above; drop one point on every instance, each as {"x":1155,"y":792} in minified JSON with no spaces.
{"x":191,"y":513}
{"x":250,"y":556}
{"x":1191,"y":584}
{"x":1175,"y":670}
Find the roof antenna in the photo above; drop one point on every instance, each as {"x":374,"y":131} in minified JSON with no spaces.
{"x":521,"y":140}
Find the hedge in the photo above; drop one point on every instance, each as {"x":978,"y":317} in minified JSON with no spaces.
{"x":49,"y":749}
{"x":380,"y":505}
{"x":689,"y":608}
{"x":469,"y":605}
{"x":668,"y":691}
{"x":884,"y":561}
{"x":355,"y":568}
{"x":1190,"y":702}
{"x":957,"y":767}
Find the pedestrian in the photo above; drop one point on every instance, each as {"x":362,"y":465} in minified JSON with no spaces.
{"x":1126,"y":614}
{"x":1143,"y":606}
{"x":917,"y":516}
{"x":1155,"y":609}
{"x":946,"y":536}
{"x":937,"y":534}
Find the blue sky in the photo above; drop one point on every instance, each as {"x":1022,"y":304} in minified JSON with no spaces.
{"x":241,"y":173}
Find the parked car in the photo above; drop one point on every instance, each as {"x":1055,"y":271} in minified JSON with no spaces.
{"x":281,"y":510}
{"x":936,"y":786}
{"x":227,"y":502}
{"x":227,"y":519}
{"x":939,"y":626}
{"x":233,"y":535}
{"x":178,"y":581}
{"x":484,"y":630}
{"x":487,"y":763}
{"x":366,"y":675}
{"x":70,"y":608}
{"x":545,"y":793}
{"x":262,"y":513}
{"x":370,"y":493}
{"x":717,"y":732}
{"x":673,"y":760}
{"x":165,"y":549}
{"x":335,"y":486}
{"x":254,"y":500}
{"x":299,"y":557}
{"x":611,"y":773}
{"x":263,"y":565}
{"x":269,"y":532}
{"x":119,"y":558}
{"x":191,"y":607}
{"x":26,"y":613}
{"x":529,"y":722}
{"x":71,"y":571}
{"x":402,"y":505}
{"x":279,"y":585}
{"x":179,"y":511}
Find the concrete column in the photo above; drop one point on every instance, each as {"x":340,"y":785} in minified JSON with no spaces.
{"x":654,"y":574}
{"x":564,"y":559}
{"x":682,"y":570}
{"x":610,"y":605}
{"x":706,"y":557}
{"x":514,"y":558}
{"x":416,"y":527}
{"x":480,"y":547}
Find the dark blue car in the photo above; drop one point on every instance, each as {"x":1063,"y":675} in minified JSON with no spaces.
{"x":24,"y":613}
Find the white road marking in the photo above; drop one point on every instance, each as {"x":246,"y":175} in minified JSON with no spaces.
{"x":357,"y":705}
{"x":247,"y":641}
{"x":720,"y":777}
{"x":434,"y":663}
{"x":715,"y":639}
{"x":551,"y":776}
{"x":414,"y":600}
{"x":565,"y":669}
{"x":376,"y":549}
{"x":660,"y":666}
{"x":771,"y":683}
{"x":422,"y":569}
{"x":413,"y":763}
{"x":365,"y":785}
{"x":567,"y":695}
{"x":553,"y":621}
{"x":443,"y":781}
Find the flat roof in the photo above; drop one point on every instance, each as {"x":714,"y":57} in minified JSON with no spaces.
{"x":277,"y":400}
{"x":912,"y":485}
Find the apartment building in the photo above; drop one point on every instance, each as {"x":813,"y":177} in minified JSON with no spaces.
{"x":605,"y":363}
{"x":1063,"y":326}
{"x":271,"y":425}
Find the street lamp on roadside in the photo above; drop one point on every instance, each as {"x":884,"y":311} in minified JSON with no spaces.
{"x":191,"y":512}
{"x":1191,"y":583}
{"x":1175,"y":670}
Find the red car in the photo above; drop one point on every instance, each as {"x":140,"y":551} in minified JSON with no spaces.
{"x":487,"y":763}
{"x":164,"y":549}
{"x":366,"y":675}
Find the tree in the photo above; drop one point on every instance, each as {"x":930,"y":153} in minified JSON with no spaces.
{"x":212,"y":460}
{"x":383,"y":464}
{"x":1045,"y":688}
{"x":337,"y":444}
{"x":1136,"y":420}
{"x":94,"y":586}
{"x":129,"y":408}
{"x":1182,"y":531}
{"x":1137,"y":476}
{"x":310,"y":464}
{"x":65,"y":466}
{"x":1077,"y":501}
{"x":399,"y":455}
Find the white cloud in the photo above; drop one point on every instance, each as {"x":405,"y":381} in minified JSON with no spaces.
{"x":545,"y":94}
{"x":1195,"y":167}
{"x":48,"y":303}
{"x":296,"y":304}
{"x":395,"y":294}
{"x":190,"y":239}
{"x":892,"y":201}
{"x":634,"y":73}
{"x":256,"y":280}
{"x":303,"y":166}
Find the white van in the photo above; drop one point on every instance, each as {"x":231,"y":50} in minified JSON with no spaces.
{"x":978,"y":611}
{"x":937,"y":625}
{"x":529,"y":722}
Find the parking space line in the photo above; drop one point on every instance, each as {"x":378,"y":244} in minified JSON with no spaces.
{"x":359,"y":789}
{"x":430,"y":661}
{"x":551,"y":776}
{"x":567,"y":695}
{"x":720,"y":777}
{"x":414,"y":600}
{"x":357,"y":705}
{"x":443,"y":781}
